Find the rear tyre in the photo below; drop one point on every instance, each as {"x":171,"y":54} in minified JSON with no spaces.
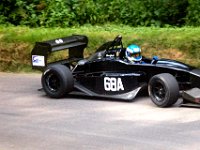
{"x":57,"y":81}
{"x":163,"y":90}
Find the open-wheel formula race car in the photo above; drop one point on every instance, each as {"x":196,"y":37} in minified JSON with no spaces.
{"x":107,"y":74}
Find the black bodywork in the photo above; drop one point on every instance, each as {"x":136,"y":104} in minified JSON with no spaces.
{"x":107,"y":73}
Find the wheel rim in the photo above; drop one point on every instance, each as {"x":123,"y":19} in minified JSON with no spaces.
{"x":158,"y":91}
{"x":53,"y":83}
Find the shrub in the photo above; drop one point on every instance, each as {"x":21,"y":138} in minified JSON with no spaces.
{"x":56,"y":13}
{"x":193,"y":15}
{"x":62,"y":13}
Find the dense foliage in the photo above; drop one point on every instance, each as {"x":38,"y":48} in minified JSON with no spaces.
{"x":193,"y":16}
{"x":62,"y":13}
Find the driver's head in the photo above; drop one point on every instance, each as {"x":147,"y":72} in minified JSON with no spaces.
{"x":133,"y":53}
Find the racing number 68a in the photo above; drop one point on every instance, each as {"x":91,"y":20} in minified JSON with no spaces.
{"x":113,"y":84}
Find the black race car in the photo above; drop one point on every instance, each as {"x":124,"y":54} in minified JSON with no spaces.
{"x":108,"y":74}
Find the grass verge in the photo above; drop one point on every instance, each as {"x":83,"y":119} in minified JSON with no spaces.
{"x":181,"y":44}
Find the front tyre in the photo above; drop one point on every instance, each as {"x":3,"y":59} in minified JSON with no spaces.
{"x":163,"y":90}
{"x":57,"y":81}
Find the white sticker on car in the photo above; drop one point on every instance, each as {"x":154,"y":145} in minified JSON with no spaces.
{"x":113,"y":84}
{"x":38,"y":60}
{"x":59,"y":41}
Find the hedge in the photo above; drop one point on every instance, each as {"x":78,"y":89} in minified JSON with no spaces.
{"x":67,"y":13}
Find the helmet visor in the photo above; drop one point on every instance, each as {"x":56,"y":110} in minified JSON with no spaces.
{"x":135,"y":55}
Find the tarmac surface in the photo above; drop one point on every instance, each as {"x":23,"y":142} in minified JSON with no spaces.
{"x":29,"y":120}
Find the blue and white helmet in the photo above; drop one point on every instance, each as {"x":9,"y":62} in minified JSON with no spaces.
{"x":133,"y":53}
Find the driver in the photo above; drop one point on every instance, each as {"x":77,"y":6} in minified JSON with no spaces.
{"x":133,"y":54}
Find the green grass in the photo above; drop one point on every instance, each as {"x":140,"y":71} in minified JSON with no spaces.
{"x":182,"y":44}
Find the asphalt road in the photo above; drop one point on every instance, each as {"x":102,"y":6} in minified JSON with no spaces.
{"x":31,"y":121}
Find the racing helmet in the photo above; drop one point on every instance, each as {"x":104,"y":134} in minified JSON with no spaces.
{"x":133,"y":53}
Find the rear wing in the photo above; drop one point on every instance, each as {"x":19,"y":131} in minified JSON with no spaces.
{"x":75,"y":44}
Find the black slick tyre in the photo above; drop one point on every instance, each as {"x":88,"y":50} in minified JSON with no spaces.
{"x":163,"y":90}
{"x":57,"y":81}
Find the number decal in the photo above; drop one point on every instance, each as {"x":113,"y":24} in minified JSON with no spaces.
{"x":58,"y":41}
{"x":113,"y":84}
{"x":107,"y":84}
